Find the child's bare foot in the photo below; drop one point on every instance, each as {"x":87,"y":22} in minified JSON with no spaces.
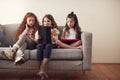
{"x":43,"y":75}
{"x":79,"y":47}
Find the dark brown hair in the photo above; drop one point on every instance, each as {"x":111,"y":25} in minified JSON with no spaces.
{"x":50,"y":17}
{"x":76,"y":25}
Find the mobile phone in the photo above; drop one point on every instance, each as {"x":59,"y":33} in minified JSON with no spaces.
{"x":27,"y":25}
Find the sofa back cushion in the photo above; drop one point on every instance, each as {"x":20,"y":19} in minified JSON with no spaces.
{"x":9,"y":31}
{"x":60,"y":28}
{"x":1,"y":34}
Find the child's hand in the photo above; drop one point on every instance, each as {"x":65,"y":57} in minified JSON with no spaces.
{"x":54,"y":32}
{"x":31,"y":33}
{"x":31,"y":36}
{"x":53,"y":38}
{"x":27,"y":27}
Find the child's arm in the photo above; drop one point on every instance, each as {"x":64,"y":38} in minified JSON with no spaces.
{"x":62,"y":35}
{"x":57,"y":31}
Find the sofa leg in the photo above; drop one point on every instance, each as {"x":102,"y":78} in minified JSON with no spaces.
{"x":89,"y":75}
{"x":82,"y":68}
{"x":86,"y":75}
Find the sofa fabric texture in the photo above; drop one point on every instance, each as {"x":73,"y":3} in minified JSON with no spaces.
{"x":61,"y":59}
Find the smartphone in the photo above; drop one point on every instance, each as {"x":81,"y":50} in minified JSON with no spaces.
{"x":28,"y":26}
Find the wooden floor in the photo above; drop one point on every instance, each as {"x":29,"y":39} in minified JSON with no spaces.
{"x":98,"y":72}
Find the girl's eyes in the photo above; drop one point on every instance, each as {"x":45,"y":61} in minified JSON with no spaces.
{"x":47,"y":21}
{"x":31,"y":20}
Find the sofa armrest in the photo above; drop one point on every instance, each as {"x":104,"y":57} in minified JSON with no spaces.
{"x":86,"y":38}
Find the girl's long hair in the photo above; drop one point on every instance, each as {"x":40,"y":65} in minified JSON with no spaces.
{"x":50,"y":17}
{"x":22,"y":26}
{"x":76,"y":25}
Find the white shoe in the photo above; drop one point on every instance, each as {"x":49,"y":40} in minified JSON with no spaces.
{"x":19,"y":60}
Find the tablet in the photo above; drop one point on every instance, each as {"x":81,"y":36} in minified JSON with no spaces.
{"x":45,"y":33}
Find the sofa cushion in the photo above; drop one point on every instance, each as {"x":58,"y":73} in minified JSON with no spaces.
{"x":9,"y":31}
{"x":33,"y":55}
{"x":1,"y":34}
{"x":66,"y":54}
{"x":61,"y":54}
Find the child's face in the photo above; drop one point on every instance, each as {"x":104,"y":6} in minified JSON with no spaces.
{"x":31,"y":21}
{"x":47,"y":22}
{"x":70,"y":22}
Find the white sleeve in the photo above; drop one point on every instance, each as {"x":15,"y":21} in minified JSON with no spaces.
{"x":64,"y":29}
{"x":37,"y":37}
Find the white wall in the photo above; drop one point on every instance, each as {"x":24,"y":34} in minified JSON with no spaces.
{"x":101,"y":17}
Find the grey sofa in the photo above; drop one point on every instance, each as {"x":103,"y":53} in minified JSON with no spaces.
{"x":61,"y":59}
